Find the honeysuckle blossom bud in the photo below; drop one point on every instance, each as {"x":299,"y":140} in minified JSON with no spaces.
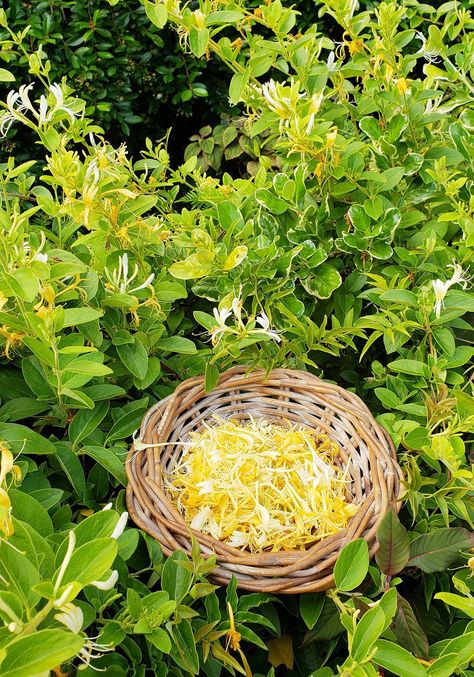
{"x":67,"y":558}
{"x":120,"y":526}
{"x":61,"y":601}
{"x":109,"y":583}
{"x":71,"y":616}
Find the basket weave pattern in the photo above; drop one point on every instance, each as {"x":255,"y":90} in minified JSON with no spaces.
{"x":296,"y":396}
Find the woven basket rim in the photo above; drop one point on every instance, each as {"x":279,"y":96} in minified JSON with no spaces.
{"x":367,"y":444}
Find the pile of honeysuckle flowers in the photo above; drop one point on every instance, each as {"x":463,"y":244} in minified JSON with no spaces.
{"x":259,"y":485}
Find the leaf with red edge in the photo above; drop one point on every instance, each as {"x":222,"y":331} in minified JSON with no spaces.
{"x":394,"y":544}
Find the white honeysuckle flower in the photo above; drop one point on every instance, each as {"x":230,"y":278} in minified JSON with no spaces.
{"x":145,"y":284}
{"x":330,"y":61}
{"x":432,"y":57}
{"x":19,"y":103}
{"x":440,"y":288}
{"x":40,"y":257}
{"x":221,"y":328}
{"x":90,"y":651}
{"x":315,"y":105}
{"x":61,"y":601}
{"x":120,"y":526}
{"x":121,"y":281}
{"x":67,"y":558}
{"x":107,"y":507}
{"x":264,"y":322}
{"x":71,"y":616}
{"x":109,"y":583}
{"x":237,"y":305}
{"x":92,"y":173}
{"x":281,"y":98}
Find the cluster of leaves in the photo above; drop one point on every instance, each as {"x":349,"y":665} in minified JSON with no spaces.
{"x":131,"y":76}
{"x":343,"y":249}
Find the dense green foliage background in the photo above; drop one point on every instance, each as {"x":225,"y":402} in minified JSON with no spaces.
{"x":321,"y":217}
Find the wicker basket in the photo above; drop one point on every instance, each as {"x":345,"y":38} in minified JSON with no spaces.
{"x":282,"y":395}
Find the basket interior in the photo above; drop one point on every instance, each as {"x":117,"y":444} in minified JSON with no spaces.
{"x":277,"y":405}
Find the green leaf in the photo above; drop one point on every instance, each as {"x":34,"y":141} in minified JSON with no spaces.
{"x":42,"y":352}
{"x":20,"y":408}
{"x":402,"y":296}
{"x":176,"y":344}
{"x":272,"y":202}
{"x":72,"y":467}
{"x":322,"y":281}
{"x":21,"y":439}
{"x":408,"y":631}
{"x":157,"y":13}
{"x":311,"y":605}
{"x":395,"y":658}
{"x":223,"y":17}
{"x":394,"y":544}
{"x":19,"y":575}
{"x":237,"y":86}
{"x":207,"y":321}
{"x":86,"y":421}
{"x":24,"y":284}
{"x":99,"y":525}
{"x":465,"y":604}
{"x":412,"y":367}
{"x":90,"y":561}
{"x":125,"y":425}
{"x":230,"y":217}
{"x":160,"y":639}
{"x":75,"y":316}
{"x":108,"y":459}
{"x":198,"y":41}
{"x":437,"y":550}
{"x":184,"y":647}
{"x":211,"y":377}
{"x":29,"y":510}
{"x":352,"y":565}
{"x":40,"y":652}
{"x":6,"y":76}
{"x":367,"y":631}
{"x":236,"y":257}
{"x":88,"y":367}
{"x":176,"y":579}
{"x":135,"y":357}
{"x":388,"y":398}
{"x":195,"y":266}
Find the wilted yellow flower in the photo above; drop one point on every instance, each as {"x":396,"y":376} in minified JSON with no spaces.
{"x":6,"y":522}
{"x":402,"y":86}
{"x":13,"y":338}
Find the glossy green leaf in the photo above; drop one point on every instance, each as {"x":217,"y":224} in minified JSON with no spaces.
{"x":40,"y":652}
{"x":352,"y":565}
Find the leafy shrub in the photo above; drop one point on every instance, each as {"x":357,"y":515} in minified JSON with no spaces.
{"x":130,"y":75}
{"x":345,"y":252}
